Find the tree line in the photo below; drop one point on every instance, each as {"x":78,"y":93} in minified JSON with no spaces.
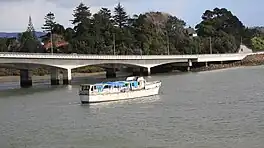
{"x":150,"y":33}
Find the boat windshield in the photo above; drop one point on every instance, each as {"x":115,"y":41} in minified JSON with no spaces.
{"x":85,"y":87}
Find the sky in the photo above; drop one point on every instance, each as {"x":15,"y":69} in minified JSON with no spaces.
{"x":14,"y":13}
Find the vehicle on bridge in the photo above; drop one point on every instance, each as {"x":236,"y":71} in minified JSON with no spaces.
{"x":133,"y":87}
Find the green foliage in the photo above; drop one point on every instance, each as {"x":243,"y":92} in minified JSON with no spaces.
{"x":49,"y":22}
{"x":28,"y":43}
{"x":258,"y":43}
{"x":149,"y":33}
{"x":3,"y":45}
{"x":225,"y":29}
{"x":120,"y":16}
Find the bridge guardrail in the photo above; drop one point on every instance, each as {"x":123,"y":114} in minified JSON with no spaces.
{"x":83,"y":56}
{"x":113,"y":57}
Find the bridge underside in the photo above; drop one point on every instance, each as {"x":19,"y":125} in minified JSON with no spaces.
{"x":26,"y":73}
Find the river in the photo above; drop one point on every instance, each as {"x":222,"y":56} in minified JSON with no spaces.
{"x":216,"y":109}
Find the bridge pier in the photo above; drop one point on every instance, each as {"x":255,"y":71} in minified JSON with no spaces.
{"x":206,"y":64}
{"x":25,"y":78}
{"x":142,"y":71}
{"x":54,"y":76}
{"x":110,"y":73}
{"x":149,"y":71}
{"x":67,"y":77}
{"x":189,"y":65}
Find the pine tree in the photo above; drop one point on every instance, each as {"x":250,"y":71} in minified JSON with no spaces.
{"x":30,"y":28}
{"x":120,"y":17}
{"x":81,"y":14}
{"x":49,"y":26}
{"x":49,"y":22}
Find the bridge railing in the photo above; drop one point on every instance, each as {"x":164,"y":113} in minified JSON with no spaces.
{"x":117,"y":57}
{"x":90,"y":56}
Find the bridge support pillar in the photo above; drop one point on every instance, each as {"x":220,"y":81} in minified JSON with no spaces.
{"x":54,"y":77}
{"x":67,"y":77}
{"x":140,"y":71}
{"x":206,"y":64}
{"x":149,"y":71}
{"x":25,"y":78}
{"x":189,"y":65}
{"x":110,"y":73}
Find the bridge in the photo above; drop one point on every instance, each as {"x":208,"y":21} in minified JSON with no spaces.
{"x":25,"y":62}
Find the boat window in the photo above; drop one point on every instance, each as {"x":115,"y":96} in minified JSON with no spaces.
{"x":106,"y":86}
{"x":92,"y":88}
{"x":85,"y":87}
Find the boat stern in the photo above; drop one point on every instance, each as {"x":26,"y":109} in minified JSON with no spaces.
{"x":84,"y":99}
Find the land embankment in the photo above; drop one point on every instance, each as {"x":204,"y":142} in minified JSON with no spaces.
{"x":250,"y":60}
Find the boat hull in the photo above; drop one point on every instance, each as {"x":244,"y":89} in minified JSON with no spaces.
{"x":151,"y":90}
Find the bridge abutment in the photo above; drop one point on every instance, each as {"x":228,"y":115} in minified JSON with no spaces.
{"x":25,"y":78}
{"x":67,"y":77}
{"x":54,"y":74}
{"x":110,"y":73}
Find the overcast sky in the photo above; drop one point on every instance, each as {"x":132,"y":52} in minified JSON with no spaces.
{"x":14,"y":13}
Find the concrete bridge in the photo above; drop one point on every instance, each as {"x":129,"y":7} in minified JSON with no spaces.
{"x":25,"y":62}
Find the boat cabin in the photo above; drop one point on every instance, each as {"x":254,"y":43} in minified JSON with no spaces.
{"x":131,"y":83}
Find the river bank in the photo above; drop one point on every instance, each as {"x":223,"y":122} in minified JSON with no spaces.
{"x":251,"y":60}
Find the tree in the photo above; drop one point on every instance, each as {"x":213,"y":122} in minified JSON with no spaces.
{"x":102,"y":28}
{"x":28,"y":43}
{"x":58,"y":29}
{"x":83,"y":41}
{"x":258,"y":43}
{"x":221,"y":24}
{"x":81,"y":14}
{"x":3,"y":45}
{"x":49,"y":26}
{"x":120,"y":16}
{"x":31,"y":28}
{"x":49,"y":22}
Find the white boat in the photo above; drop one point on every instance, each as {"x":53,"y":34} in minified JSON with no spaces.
{"x":132,"y":87}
